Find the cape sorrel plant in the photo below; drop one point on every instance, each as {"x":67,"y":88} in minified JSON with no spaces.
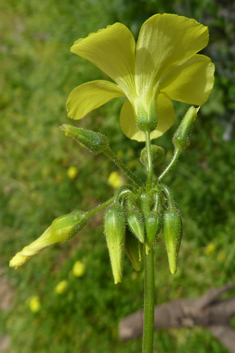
{"x":162,"y":65}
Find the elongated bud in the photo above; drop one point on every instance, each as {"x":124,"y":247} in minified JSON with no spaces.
{"x":153,"y":224}
{"x":172,"y":231}
{"x":135,"y":221}
{"x":133,"y":250}
{"x":58,"y":232}
{"x":93,"y":141}
{"x":157,"y":155}
{"x":181,"y":138}
{"x":115,"y":227}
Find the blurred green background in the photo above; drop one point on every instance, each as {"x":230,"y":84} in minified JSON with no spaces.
{"x":37,"y":74}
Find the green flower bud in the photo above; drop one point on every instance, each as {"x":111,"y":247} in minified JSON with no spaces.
{"x":59,"y":231}
{"x":181,"y":138}
{"x":172,"y":231}
{"x":133,"y":250}
{"x":153,"y":224}
{"x":81,"y":224}
{"x":93,"y":141}
{"x":157,"y":155}
{"x":115,"y":227}
{"x":135,"y":221}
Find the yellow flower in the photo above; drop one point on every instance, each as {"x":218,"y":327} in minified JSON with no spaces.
{"x":78,"y":269}
{"x":34,"y":304}
{"x":115,"y":180}
{"x":162,"y":66}
{"x":72,"y":172}
{"x":210,"y":248}
{"x":61,"y":287}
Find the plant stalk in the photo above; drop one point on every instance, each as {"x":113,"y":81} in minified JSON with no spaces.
{"x":150,"y":163}
{"x":171,"y":165}
{"x":148,"y":331}
{"x":148,"y":328}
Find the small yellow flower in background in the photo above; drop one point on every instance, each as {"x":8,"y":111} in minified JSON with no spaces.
{"x":61,"y":287}
{"x":115,"y":180}
{"x":72,"y":172}
{"x":78,"y":269}
{"x":210,"y":248}
{"x":34,"y":304}
{"x":162,"y":66}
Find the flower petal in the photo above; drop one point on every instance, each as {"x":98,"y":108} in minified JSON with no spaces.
{"x":166,"y":117}
{"x":166,"y":114}
{"x":164,"y":40}
{"x":190,"y":81}
{"x":128,"y":124}
{"x":113,"y":51}
{"x":89,"y":96}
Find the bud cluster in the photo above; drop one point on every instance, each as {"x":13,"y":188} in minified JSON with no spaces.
{"x":136,"y":214}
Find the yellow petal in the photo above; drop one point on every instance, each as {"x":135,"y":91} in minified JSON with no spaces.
{"x":191,"y":81}
{"x":128,"y":124}
{"x":164,"y":40}
{"x":166,"y":114}
{"x":89,"y":96}
{"x":166,"y":117}
{"x":113,"y":51}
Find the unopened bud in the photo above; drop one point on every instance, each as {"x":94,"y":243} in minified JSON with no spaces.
{"x":181,"y":138}
{"x":133,"y":250}
{"x":93,"y":141}
{"x":153,"y":224}
{"x":172,"y":231}
{"x":115,"y":227}
{"x":135,"y":220}
{"x":59,"y":231}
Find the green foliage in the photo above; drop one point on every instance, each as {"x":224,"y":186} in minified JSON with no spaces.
{"x":37,"y":74}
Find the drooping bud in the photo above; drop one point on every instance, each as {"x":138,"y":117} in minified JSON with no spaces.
{"x":181,"y":138}
{"x":115,"y":227}
{"x":172,"y":231}
{"x":135,"y":220}
{"x":153,"y":224}
{"x":59,"y":231}
{"x":133,"y":250}
{"x":93,"y":141}
{"x":157,"y":155}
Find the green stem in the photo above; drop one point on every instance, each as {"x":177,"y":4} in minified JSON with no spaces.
{"x":123,"y":167}
{"x":172,"y":163}
{"x":99,"y":208}
{"x":150,"y":163}
{"x":148,"y":330}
